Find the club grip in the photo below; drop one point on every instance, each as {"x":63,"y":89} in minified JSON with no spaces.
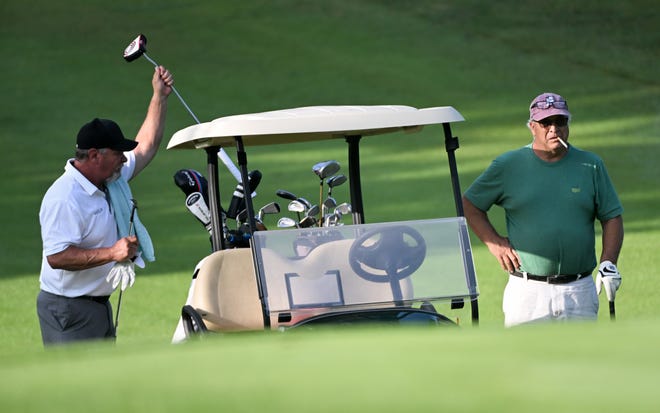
{"x":237,"y":203}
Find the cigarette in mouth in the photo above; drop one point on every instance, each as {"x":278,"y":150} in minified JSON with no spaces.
{"x":562,"y":142}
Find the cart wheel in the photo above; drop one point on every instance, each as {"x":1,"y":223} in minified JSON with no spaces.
{"x":192,"y":321}
{"x":387,"y":254}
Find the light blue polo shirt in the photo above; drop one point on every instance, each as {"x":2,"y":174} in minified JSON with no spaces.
{"x":75,"y":212}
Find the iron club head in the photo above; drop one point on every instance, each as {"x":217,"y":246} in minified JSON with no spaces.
{"x":270,"y":208}
{"x":296,"y":206}
{"x":286,"y":222}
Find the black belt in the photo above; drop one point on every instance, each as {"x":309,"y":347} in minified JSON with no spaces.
{"x":551,"y":279}
{"x":98,"y":298}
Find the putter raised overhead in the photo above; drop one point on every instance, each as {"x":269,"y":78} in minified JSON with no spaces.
{"x":138,"y":48}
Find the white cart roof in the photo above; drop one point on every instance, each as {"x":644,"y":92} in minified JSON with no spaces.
{"x":310,"y":123}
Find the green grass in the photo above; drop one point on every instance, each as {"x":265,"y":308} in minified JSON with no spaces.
{"x":62,"y":67}
{"x":372,"y":370}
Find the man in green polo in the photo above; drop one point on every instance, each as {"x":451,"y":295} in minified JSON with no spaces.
{"x":551,"y":193}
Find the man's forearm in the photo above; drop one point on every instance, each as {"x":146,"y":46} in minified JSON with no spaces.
{"x":151,"y":132}
{"x":75,"y":259}
{"x":498,"y":245}
{"x":612,"y":239}
{"x":479,"y":222}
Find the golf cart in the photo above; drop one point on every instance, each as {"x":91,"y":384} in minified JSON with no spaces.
{"x":353,"y":273}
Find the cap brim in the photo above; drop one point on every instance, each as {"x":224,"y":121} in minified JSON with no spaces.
{"x":125,"y":145}
{"x":542,"y":114}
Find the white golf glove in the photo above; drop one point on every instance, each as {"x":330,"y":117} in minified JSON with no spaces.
{"x":609,"y":278}
{"x":122,"y":272}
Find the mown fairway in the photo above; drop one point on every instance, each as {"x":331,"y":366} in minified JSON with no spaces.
{"x":62,"y":66}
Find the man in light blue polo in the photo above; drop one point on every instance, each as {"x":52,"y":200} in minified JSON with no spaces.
{"x":81,"y":242}
{"x":551,"y":192}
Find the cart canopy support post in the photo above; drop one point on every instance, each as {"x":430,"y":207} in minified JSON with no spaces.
{"x":354,"y":178}
{"x":247,"y":191}
{"x":217,"y":239}
{"x":451,"y":144}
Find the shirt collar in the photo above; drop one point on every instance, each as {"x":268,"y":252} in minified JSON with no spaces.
{"x":85,"y":183}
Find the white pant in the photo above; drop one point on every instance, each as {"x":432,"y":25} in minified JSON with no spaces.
{"x":529,"y":301}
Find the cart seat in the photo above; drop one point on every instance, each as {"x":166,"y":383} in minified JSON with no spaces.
{"x":225,"y":292}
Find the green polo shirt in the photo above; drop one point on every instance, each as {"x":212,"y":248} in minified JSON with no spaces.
{"x":550,"y":207}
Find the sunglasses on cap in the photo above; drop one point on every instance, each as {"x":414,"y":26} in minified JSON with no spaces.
{"x":550,"y":102}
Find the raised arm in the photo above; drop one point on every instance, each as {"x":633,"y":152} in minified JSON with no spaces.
{"x":151,"y":132}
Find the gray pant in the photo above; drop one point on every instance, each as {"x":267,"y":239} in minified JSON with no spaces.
{"x":65,"y":319}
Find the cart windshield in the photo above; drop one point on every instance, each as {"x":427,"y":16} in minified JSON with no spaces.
{"x":364,"y":266}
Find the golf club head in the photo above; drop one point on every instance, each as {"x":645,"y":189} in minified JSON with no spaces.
{"x":304,"y":202}
{"x":308,"y":221}
{"x":332,"y":220}
{"x":314,"y":210}
{"x":286,"y":222}
{"x":136,"y":49}
{"x":270,"y":208}
{"x":344,"y":208}
{"x":286,"y":195}
{"x":296,"y":206}
{"x":336,"y":180}
{"x":330,"y":202}
{"x":241,"y":217}
{"x":325,"y":169}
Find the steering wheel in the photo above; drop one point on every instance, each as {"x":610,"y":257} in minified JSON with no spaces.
{"x":388,"y":254}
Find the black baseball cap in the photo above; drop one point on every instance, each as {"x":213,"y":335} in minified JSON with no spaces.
{"x":103,"y":133}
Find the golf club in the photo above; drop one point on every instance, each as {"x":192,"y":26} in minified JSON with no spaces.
{"x":297,"y":207}
{"x":293,"y":197}
{"x":241,"y":217}
{"x":612,"y":311}
{"x":343,"y":209}
{"x":332,"y":182}
{"x":137,"y":48}
{"x":286,"y":222}
{"x":286,"y":195}
{"x":305,"y":202}
{"x":130,"y":231}
{"x":328,"y":204}
{"x":270,"y":208}
{"x":335,"y":181}
{"x":309,"y":219}
{"x":323,"y":170}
